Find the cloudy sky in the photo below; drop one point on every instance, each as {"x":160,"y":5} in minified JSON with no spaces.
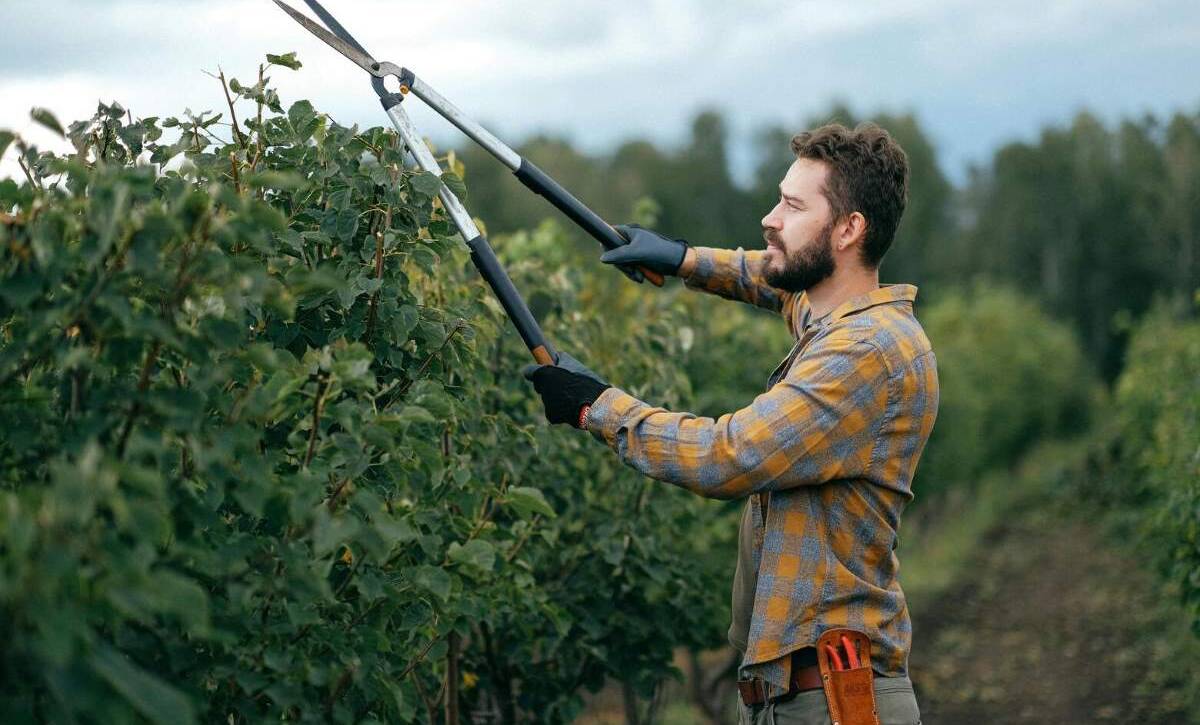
{"x":977,"y":74}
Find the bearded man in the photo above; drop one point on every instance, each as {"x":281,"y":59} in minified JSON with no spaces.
{"x":825,"y":457}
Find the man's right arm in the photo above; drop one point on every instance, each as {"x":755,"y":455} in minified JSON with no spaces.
{"x":735,"y":274}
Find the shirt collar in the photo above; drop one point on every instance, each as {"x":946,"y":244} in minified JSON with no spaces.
{"x":883,"y":295}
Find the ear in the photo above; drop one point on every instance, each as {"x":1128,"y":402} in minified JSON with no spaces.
{"x":852,"y":230}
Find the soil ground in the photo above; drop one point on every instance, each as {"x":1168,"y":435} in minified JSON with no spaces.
{"x":1051,"y":623}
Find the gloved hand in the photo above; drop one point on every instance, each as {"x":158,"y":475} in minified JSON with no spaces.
{"x":565,"y":388}
{"x":648,"y":249}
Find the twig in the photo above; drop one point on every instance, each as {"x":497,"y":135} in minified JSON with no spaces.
{"x":429,"y":709}
{"x":237,"y":181}
{"x":339,"y":688}
{"x":237,"y":132}
{"x":458,"y":326}
{"x":136,"y":408}
{"x":452,"y":680}
{"x":334,"y":497}
{"x":373,"y":310}
{"x":363,"y":614}
{"x":419,"y":659}
{"x":27,"y":174}
{"x":318,"y":406}
{"x":512,"y":553}
{"x":349,"y":577}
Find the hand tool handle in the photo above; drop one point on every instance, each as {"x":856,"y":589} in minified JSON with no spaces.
{"x":493,"y":273}
{"x":482,"y":255}
{"x":531,"y":176}
{"x":542,"y":184}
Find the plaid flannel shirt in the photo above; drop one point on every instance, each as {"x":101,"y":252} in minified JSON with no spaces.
{"x":827,"y":454}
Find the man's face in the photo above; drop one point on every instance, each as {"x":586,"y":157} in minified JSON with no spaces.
{"x":799,"y":230}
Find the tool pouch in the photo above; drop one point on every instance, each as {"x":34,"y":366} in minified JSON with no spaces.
{"x":850,"y":693}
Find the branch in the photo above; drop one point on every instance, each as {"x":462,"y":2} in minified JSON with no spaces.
{"x":136,"y":408}
{"x":237,"y":132}
{"x":452,"y":678}
{"x":27,"y":174}
{"x":318,"y":406}
{"x":458,"y":327}
{"x":233,"y":167}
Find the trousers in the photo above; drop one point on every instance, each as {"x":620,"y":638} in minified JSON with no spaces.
{"x":894,"y":700}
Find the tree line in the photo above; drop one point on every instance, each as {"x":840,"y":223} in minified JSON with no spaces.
{"x":1092,"y":220}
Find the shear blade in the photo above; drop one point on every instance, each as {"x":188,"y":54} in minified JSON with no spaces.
{"x":355,"y":55}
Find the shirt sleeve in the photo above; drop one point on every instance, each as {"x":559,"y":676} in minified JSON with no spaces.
{"x":820,"y":423}
{"x":737,"y":274}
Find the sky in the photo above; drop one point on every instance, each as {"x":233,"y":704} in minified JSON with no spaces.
{"x":976,"y":74}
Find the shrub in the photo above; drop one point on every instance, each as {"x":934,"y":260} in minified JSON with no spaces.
{"x":268,"y":454}
{"x":1009,"y":376}
{"x":1145,"y":466}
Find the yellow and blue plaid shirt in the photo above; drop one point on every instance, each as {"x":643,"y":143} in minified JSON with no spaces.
{"x":828,"y":454}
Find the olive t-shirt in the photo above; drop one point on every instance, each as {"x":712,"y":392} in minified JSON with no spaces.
{"x":745,"y":580}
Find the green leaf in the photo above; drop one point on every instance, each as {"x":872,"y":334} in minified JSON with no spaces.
{"x":436,"y":581}
{"x":287,"y":60}
{"x":475,"y":553}
{"x":283,"y":180}
{"x":347,"y":224}
{"x":332,"y":531}
{"x":6,"y":138}
{"x":149,"y":695}
{"x":300,"y":113}
{"x":394,"y":531}
{"x":45,"y":118}
{"x":527,"y":501}
{"x":183,"y":597}
{"x":455,"y":184}
{"x":426,"y":184}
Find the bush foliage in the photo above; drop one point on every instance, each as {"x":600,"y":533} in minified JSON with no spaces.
{"x":268,"y":454}
{"x":1145,"y":462}
{"x":1010,"y":376}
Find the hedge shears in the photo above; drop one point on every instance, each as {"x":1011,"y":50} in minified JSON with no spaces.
{"x":482,"y":255}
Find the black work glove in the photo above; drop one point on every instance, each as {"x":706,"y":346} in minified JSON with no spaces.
{"x":565,"y":388}
{"x":647,"y":249}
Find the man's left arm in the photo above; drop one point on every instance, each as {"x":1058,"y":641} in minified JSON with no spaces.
{"x":820,"y":423}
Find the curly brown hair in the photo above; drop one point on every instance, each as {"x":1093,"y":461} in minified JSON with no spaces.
{"x":868,"y":173}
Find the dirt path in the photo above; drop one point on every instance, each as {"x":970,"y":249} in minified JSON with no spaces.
{"x":1052,"y":624}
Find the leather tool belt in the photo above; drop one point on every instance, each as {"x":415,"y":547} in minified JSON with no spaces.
{"x":849,"y":685}
{"x":805,"y":676}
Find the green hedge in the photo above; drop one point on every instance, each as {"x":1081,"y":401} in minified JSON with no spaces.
{"x":1145,"y":467}
{"x":268,"y":454}
{"x":1010,"y":376}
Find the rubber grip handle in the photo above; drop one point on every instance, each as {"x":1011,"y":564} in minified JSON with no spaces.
{"x":484,"y":259}
{"x":543,"y":185}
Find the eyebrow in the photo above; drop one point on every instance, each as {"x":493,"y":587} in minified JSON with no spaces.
{"x":796,"y":199}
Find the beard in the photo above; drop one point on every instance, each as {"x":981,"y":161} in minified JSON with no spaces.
{"x":810,"y":265}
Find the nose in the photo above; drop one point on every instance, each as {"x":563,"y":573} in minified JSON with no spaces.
{"x":771,"y":220}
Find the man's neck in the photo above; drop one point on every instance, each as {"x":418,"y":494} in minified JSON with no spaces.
{"x":831,"y":292}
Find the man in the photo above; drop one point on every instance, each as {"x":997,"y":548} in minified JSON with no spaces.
{"x":827,"y":455}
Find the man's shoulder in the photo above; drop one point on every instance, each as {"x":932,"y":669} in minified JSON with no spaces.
{"x":892,"y":331}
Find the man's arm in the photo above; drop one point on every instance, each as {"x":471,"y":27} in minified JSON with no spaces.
{"x":735,"y":274}
{"x":820,"y":423}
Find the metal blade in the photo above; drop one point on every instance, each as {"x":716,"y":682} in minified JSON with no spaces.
{"x":338,"y":29}
{"x":362,"y":60}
